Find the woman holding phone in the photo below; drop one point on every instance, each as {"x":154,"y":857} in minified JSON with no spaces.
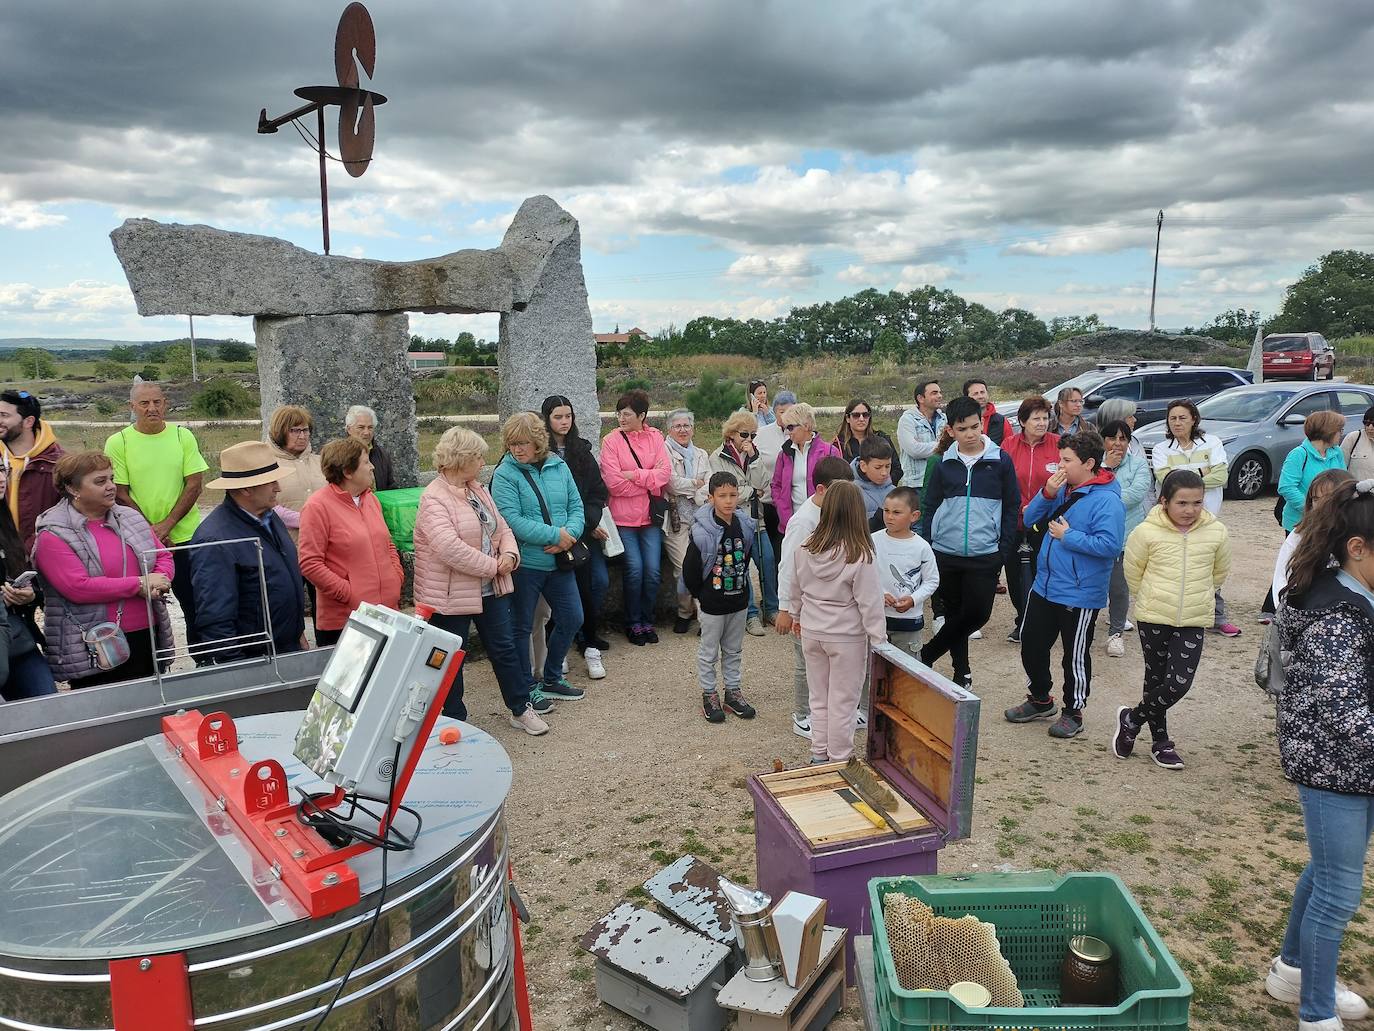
{"x":757,"y":403}
{"x":24,"y":672}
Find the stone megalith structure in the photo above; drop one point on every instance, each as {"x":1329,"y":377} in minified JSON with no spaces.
{"x":332,"y":331}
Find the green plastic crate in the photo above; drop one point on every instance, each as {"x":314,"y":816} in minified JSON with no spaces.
{"x":399,"y":509}
{"x":1035,"y":915}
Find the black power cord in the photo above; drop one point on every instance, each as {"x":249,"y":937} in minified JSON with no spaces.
{"x":310,"y":812}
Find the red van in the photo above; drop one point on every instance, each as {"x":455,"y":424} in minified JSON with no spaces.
{"x":1298,"y":356}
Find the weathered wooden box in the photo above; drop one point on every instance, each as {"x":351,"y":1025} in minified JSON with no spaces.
{"x":923,"y":743}
{"x":657,"y":971}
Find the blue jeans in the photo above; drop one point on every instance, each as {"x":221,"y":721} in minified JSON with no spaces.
{"x":1327,"y":894}
{"x":593,"y":581}
{"x":559,"y":588}
{"x":30,"y":677}
{"x":643,"y":555}
{"x":767,"y":567}
{"x":493,"y":625}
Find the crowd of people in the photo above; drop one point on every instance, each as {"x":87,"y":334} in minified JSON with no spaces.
{"x":839,"y":541}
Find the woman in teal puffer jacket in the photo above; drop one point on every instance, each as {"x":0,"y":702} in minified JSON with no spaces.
{"x":538,"y":498}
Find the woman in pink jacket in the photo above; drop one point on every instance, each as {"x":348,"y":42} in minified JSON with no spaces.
{"x":464,"y":556}
{"x":345,"y":547}
{"x":634,"y":464}
{"x":837,"y":611}
{"x":794,"y":476}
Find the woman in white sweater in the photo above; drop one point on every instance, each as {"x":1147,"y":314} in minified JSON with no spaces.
{"x":1187,"y":447}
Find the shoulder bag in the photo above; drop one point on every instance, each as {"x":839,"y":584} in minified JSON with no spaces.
{"x":574,"y":556}
{"x":659,"y":506}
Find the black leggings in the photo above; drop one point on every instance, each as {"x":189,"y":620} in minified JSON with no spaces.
{"x":967,"y":589}
{"x":1172,"y":654}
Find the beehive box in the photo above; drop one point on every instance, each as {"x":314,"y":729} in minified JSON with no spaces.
{"x":923,"y":743}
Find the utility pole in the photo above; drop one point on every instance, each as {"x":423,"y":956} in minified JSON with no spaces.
{"x":195,"y":378}
{"x":1154,"y":283}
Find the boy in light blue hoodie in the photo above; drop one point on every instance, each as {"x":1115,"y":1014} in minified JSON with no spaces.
{"x":873,"y":476}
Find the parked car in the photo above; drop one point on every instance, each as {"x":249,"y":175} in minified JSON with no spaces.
{"x":1261,"y":423}
{"x":1298,"y":356}
{"x":1150,"y":384}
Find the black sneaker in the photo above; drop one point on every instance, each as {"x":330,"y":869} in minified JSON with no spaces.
{"x":599,"y":643}
{"x":635,"y":636}
{"x":735,"y":703}
{"x":1029,"y":710}
{"x":1123,"y":741}
{"x":710,"y":708}
{"x":539,"y":701}
{"x":650,"y":635}
{"x":563,"y":691}
{"x":681,"y":625}
{"x":1015,"y":636}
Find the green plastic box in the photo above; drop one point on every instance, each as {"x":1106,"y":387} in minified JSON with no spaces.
{"x":399,"y":509}
{"x":1035,"y":915}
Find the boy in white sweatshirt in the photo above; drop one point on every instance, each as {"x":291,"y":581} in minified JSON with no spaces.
{"x":906,"y":568}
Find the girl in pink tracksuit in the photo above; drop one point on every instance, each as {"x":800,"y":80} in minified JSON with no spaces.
{"x":837,"y":610}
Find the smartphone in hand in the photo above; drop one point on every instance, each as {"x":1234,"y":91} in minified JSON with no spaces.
{"x":24,"y":579}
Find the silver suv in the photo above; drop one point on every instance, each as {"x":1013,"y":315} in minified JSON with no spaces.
{"x":1150,"y":384}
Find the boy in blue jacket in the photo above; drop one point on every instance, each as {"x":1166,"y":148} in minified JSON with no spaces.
{"x":1085,"y":521}
{"x":972,"y":500}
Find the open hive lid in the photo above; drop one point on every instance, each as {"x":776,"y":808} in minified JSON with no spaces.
{"x":922,"y":744}
{"x":923,"y":738}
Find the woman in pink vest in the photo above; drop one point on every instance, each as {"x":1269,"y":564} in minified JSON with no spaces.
{"x":634,"y":464}
{"x":794,"y":476}
{"x":345,"y":546}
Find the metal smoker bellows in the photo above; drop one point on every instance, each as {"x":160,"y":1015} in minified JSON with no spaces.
{"x":753,"y":930}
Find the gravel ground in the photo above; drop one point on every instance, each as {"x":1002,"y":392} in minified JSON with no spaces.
{"x":631,"y":777}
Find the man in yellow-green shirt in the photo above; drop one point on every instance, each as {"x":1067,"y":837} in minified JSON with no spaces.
{"x":159,"y":471}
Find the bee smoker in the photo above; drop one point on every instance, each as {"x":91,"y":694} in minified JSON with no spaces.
{"x":753,"y":930}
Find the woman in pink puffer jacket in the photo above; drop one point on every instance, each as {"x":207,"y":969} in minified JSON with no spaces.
{"x":464,"y":556}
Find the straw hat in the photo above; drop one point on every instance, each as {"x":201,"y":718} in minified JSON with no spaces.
{"x":249,"y":464}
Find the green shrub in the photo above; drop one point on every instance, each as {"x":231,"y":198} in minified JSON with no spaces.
{"x":107,"y":406}
{"x":223,"y":398}
{"x":107,"y":369}
{"x":151,"y":373}
{"x":714,"y":399}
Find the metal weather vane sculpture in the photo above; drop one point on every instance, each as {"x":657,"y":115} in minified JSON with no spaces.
{"x":355,"y":43}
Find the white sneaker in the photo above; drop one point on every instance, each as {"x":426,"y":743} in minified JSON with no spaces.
{"x":862,"y":721}
{"x":753,"y":626}
{"x":801,"y":725}
{"x":1329,"y":1024}
{"x":937,"y":625}
{"x":977,"y":635}
{"x":596,"y":670}
{"x":1128,"y":626}
{"x":530,"y":723}
{"x":565,"y":665}
{"x":1285,"y":984}
{"x":1116,"y":646}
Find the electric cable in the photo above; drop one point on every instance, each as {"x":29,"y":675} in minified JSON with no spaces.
{"x":381,"y":893}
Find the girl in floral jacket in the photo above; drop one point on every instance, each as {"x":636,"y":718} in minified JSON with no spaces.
{"x":1326,"y":743}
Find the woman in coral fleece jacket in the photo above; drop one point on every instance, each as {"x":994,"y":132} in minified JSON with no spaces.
{"x":634,"y":464}
{"x":345,"y":547}
{"x":837,"y":609}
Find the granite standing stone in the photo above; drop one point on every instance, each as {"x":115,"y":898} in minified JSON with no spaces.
{"x":548,"y":348}
{"x":324,"y":363}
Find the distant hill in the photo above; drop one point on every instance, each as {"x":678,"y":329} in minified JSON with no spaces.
{"x":63,"y":344}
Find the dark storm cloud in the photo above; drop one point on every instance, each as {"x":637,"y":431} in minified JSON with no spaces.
{"x":512,"y":98}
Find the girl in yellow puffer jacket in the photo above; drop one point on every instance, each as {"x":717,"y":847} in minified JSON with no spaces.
{"x":1175,"y":561}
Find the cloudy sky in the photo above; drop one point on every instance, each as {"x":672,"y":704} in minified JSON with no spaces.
{"x":728,"y":157}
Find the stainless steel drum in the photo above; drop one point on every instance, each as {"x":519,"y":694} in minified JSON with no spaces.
{"x":125,"y":855}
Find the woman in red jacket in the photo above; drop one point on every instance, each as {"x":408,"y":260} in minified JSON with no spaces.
{"x":1035,"y":453}
{"x":345,"y":546}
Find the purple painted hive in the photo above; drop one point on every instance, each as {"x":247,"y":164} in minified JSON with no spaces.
{"x":923,"y":743}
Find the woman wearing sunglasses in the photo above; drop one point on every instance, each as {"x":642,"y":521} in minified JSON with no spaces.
{"x":1358,"y":446}
{"x":855,"y":428}
{"x":738,"y":455}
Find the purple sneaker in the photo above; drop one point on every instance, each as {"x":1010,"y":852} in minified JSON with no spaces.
{"x":1165,"y":755}
{"x":1123,"y":741}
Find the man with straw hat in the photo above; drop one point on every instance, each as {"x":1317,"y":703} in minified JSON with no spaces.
{"x":225,"y":563}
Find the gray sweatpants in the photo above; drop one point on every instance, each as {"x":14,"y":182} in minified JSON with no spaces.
{"x":801,"y":699}
{"x":722,"y":637}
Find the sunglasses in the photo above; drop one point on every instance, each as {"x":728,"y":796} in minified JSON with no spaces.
{"x":859,"y":415}
{"x":791,"y":426}
{"x":746,"y":436}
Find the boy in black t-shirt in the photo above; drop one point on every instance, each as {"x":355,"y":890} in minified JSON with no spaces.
{"x":715,"y":572}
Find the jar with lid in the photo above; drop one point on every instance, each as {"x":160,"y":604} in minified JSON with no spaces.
{"x":1089,"y":974}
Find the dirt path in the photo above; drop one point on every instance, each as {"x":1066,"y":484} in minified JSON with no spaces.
{"x":631,"y":777}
